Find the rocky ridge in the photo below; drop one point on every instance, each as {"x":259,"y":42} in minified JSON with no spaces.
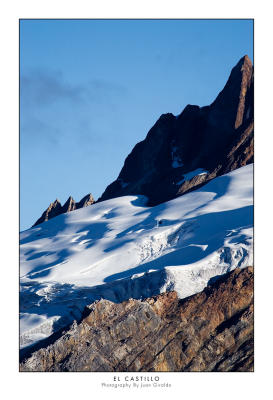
{"x":209,"y":331}
{"x":55,"y":208}
{"x":182,"y":153}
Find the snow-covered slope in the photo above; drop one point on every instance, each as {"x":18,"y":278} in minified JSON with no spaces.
{"x":119,"y":249}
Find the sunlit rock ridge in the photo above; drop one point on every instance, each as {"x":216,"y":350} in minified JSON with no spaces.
{"x":55,"y":208}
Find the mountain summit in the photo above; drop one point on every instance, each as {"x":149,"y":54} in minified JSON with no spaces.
{"x":184,"y":152}
{"x":181,"y":153}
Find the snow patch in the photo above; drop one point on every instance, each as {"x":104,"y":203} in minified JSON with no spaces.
{"x":192,"y":174}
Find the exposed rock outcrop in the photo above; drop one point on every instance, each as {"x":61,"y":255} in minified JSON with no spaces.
{"x":211,"y":140}
{"x":56,"y":208}
{"x":85,"y":201}
{"x":69,"y":205}
{"x":209,"y":331}
{"x":52,"y":211}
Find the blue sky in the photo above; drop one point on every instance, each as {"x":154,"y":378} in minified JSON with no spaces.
{"x":91,"y":89}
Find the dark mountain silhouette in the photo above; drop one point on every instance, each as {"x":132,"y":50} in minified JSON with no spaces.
{"x":181,"y":153}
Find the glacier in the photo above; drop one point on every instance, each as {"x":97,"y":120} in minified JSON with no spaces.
{"x":120,"y":249}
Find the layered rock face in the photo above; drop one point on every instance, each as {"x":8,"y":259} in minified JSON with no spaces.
{"x":184,"y":152}
{"x":56,"y":208}
{"x":209,"y":331}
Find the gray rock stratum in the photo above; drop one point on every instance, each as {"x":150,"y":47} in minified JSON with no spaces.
{"x":209,"y":331}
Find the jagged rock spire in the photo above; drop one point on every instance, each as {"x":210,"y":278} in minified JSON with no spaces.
{"x":52,"y":211}
{"x":69,"y":205}
{"x":85,"y":201}
{"x":56,"y":208}
{"x":237,"y":93}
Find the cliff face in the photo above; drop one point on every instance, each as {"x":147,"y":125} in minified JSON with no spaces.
{"x":210,"y":331}
{"x":182,"y":153}
{"x":56,"y":208}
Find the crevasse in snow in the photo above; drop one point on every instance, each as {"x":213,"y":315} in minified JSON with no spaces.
{"x":120,"y":248}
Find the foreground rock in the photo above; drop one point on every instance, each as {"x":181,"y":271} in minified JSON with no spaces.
{"x":182,"y":153}
{"x":56,"y":208}
{"x":210,"y":331}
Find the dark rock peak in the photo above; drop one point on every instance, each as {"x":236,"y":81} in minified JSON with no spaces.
{"x":56,"y":208}
{"x":69,"y":205}
{"x":52,"y":211}
{"x":55,"y":203}
{"x":188,"y":110}
{"x":215,"y":139}
{"x":244,"y":64}
{"x":166,"y":117}
{"x":209,"y":331}
{"x":233,"y":96}
{"x":85,"y":201}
